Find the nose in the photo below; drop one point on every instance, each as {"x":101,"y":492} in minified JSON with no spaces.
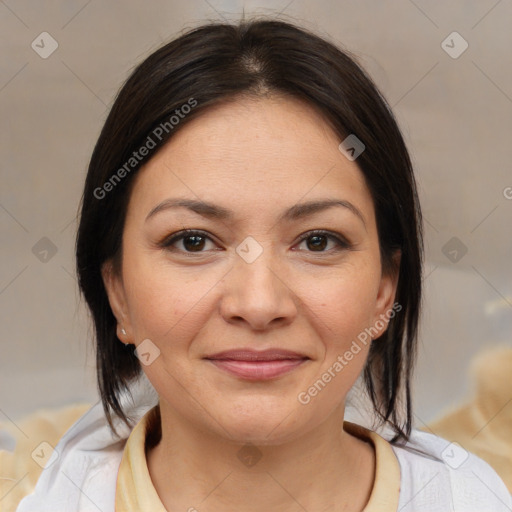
{"x":258,"y":294}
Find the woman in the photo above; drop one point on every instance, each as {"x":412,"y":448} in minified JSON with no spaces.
{"x":249,"y":245}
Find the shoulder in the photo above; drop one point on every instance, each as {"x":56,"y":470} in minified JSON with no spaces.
{"x":81,"y":469}
{"x":82,"y":475}
{"x":436,"y":472}
{"x":26,"y":446}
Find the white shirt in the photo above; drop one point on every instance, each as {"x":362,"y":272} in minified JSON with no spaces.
{"x":436,"y":476}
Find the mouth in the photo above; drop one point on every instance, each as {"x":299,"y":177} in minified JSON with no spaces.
{"x":245,"y":354}
{"x":257,"y":365}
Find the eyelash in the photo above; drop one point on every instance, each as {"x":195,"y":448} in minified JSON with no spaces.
{"x":342,"y":244}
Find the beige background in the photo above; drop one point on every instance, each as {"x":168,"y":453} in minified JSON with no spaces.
{"x":455,"y":114}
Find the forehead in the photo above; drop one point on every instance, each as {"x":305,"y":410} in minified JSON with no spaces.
{"x":258,"y":151}
{"x":278,"y":128}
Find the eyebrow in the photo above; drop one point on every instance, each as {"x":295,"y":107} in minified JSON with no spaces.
{"x":295,"y":212}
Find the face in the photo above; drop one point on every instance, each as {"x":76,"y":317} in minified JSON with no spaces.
{"x":260,"y":270}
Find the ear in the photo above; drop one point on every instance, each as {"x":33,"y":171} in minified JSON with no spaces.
{"x":385,"y":304}
{"x":117,"y":298}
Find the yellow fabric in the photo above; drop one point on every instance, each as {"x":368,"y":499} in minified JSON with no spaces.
{"x":386,"y":488}
{"x":135,"y":490}
{"x":483,"y":425}
{"x":19,"y":470}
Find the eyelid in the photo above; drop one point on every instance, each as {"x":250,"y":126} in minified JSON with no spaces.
{"x":341,"y":241}
{"x":179,"y":235}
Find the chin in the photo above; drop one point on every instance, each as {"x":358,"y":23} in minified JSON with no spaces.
{"x":261,"y":429}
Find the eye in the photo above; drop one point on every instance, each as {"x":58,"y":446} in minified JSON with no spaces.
{"x":190,"y":240}
{"x":195,"y":241}
{"x":318,"y":240}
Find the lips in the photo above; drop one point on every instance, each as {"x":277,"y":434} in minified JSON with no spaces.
{"x":253,"y":365}
{"x":254,"y":355}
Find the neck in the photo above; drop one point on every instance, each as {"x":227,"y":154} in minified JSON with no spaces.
{"x":324,"y":469}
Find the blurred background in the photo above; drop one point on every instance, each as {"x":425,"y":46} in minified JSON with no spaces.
{"x":444,"y":67}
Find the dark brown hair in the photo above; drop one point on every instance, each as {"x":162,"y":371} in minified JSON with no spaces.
{"x":215,"y":63}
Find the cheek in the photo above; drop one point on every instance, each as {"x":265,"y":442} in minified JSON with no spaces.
{"x":162,"y":302}
{"x":343,"y":311}
{"x":345,"y":304}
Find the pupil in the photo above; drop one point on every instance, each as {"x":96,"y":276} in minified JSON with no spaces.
{"x":315,"y":244}
{"x":198,"y":242}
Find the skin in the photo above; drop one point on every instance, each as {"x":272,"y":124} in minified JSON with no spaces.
{"x":257,"y":158}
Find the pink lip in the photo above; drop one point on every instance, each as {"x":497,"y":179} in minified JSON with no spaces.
{"x":257,"y":370}
{"x":247,"y":354}
{"x":257,"y":365}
